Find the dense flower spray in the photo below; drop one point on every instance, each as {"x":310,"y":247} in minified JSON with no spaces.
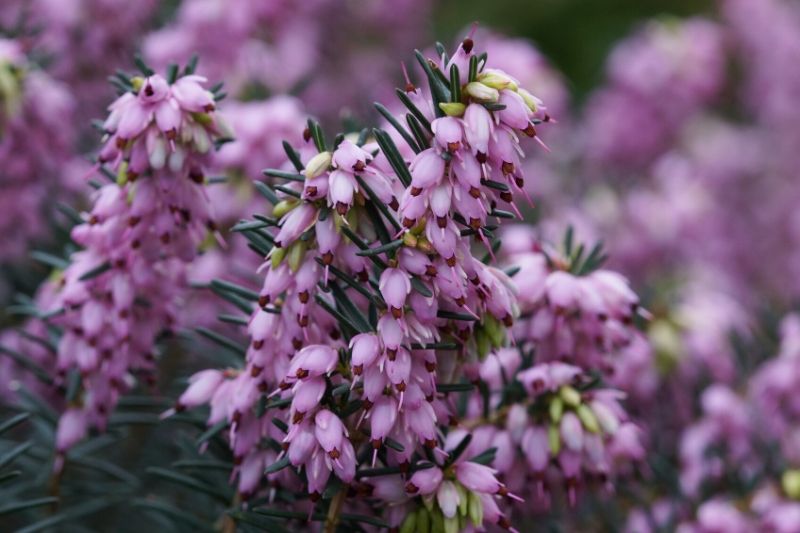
{"x":379,"y":299}
{"x":120,"y":290}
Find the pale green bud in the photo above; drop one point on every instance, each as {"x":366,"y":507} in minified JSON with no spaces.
{"x":497,"y":79}
{"x":122,"y":176}
{"x":495,"y":330}
{"x":570,"y":396}
{"x":475,"y":509}
{"x":790,"y":482}
{"x":588,"y":418}
{"x":556,"y":409}
{"x":136,"y":83}
{"x":451,"y":525}
{"x":482,"y":93}
{"x":297,"y":252}
{"x":453,"y":109}
{"x":318,"y":164}
{"x":482,"y":343}
{"x":463,"y":500}
{"x":532,"y":102}
{"x":437,"y":521}
{"x":409,"y":525}
{"x":283,"y":207}
{"x":554,"y":439}
{"x":277,"y":256}
{"x":423,"y":520}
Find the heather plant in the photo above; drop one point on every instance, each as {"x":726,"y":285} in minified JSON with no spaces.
{"x":436,"y":324}
{"x":111,"y":299}
{"x":384,"y":364}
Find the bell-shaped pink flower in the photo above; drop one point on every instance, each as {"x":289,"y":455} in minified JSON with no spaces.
{"x":364,"y":350}
{"x":294,"y":223}
{"x":478,"y":128}
{"x":72,"y":427}
{"x":572,"y":431}
{"x":312,"y":361}
{"x":202,"y":387}
{"x":350,"y":157}
{"x":382,"y":418}
{"x":477,"y":477}
{"x":448,"y":133}
{"x":329,"y":431}
{"x":395,"y":285}
{"x":424,"y":482}
{"x":427,"y":169}
{"x":307,"y":394}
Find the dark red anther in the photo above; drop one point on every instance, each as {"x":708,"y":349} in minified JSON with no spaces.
{"x":196,"y":176}
{"x":530,"y":131}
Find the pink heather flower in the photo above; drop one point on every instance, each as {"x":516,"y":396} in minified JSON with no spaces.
{"x":395,"y":287}
{"x":72,"y":427}
{"x":365,"y":349}
{"x":313,"y":361}
{"x":137,"y":237}
{"x":201,"y":388}
{"x":424,"y":482}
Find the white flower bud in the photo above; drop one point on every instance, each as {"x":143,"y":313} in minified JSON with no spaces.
{"x":318,"y":164}
{"x":482,"y":93}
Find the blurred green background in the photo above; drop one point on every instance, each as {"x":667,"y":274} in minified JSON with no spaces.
{"x":576,"y":35}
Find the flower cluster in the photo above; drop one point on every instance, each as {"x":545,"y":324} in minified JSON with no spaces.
{"x":120,"y":291}
{"x":373,"y":300}
{"x":544,"y":396}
